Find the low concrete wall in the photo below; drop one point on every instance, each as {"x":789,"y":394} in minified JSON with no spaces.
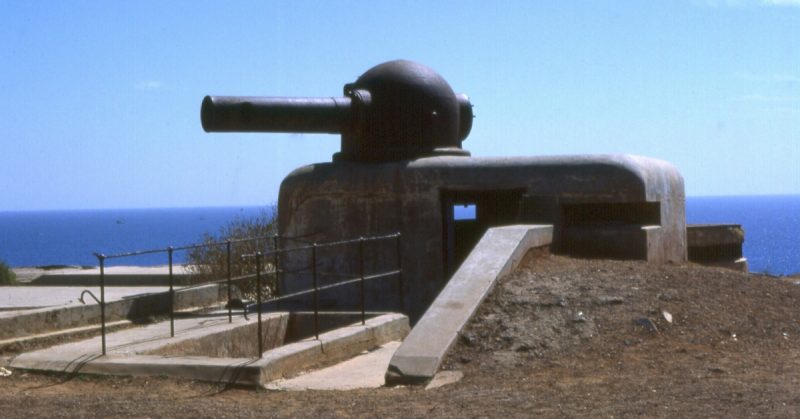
{"x":301,"y":323}
{"x":227,"y":342}
{"x":717,"y":245}
{"x":92,"y":279}
{"x":333,"y":346}
{"x":497,"y":253}
{"x":31,"y":322}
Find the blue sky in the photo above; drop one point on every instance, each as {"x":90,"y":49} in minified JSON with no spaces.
{"x":100,"y":100}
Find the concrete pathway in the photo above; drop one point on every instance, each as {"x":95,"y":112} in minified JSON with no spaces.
{"x":150,"y":351}
{"x":363,"y":371}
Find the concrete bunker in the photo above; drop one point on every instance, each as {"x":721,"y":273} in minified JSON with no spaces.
{"x":402,"y":169}
{"x":402,"y":173}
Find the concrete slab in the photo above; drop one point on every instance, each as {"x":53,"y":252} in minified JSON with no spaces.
{"x":26,"y":274}
{"x":497,"y":253}
{"x":135,"y":305}
{"x":43,"y":337}
{"x":147,"y":339}
{"x":130,"y":352}
{"x":698,"y":235}
{"x":26,"y":297}
{"x":114,"y":275}
{"x":364,"y":371}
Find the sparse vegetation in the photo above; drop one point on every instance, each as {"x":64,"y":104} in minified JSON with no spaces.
{"x":210,"y":262}
{"x":7,"y":276}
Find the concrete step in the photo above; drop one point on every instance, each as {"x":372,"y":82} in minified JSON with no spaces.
{"x":75,"y":332}
{"x":21,"y":323}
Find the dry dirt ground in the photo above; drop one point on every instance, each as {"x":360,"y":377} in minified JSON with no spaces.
{"x":558,"y":338}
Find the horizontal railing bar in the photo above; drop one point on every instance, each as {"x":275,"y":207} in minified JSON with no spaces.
{"x":188,"y":247}
{"x":327,"y":287}
{"x":249,"y":239}
{"x":326,"y":244}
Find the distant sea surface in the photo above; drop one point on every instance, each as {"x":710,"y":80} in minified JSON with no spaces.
{"x":35,"y":238}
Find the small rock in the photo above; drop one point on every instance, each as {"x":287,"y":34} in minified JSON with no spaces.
{"x":579,"y":318}
{"x":507,"y":338}
{"x":465,"y":359}
{"x":5,"y":372}
{"x":647,"y":324}
{"x":561,"y":302}
{"x":667,"y":316}
{"x":467,"y":339}
{"x":610,"y":300}
{"x":523,"y":348}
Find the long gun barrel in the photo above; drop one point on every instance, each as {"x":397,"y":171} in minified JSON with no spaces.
{"x":398,"y":110}
{"x":275,"y":114}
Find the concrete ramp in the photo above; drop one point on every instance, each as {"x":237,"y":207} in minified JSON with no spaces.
{"x":497,"y":253}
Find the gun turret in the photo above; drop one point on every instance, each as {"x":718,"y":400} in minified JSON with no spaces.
{"x":397,"y":110}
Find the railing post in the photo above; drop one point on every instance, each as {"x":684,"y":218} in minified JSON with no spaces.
{"x":170,"y":250}
{"x":102,"y":259}
{"x":400,"y":275}
{"x":275,"y":261}
{"x":316,"y":291}
{"x":228,"y":257}
{"x":361,"y":274}
{"x":258,"y":301}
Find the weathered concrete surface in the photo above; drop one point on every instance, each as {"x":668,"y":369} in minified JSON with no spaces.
{"x":114,"y":275}
{"x":717,"y":245}
{"x":127,"y":352}
{"x":699,"y":235}
{"x":301,"y":323}
{"x":224,"y":341}
{"x":36,"y":321}
{"x":497,"y":253}
{"x":14,"y":298}
{"x":154,"y":338}
{"x":340,"y":201}
{"x":333,"y":346}
{"x":363,"y":371}
{"x":15,"y":343}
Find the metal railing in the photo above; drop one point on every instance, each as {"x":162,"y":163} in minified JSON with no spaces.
{"x":315,"y":290}
{"x":275,"y":254}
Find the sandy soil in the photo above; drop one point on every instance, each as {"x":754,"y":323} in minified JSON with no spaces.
{"x":558,"y":338}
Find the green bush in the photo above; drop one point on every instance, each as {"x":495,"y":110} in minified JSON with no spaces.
{"x":7,"y":276}
{"x":209,"y":262}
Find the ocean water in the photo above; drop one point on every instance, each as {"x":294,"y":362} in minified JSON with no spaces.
{"x":35,"y":238}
